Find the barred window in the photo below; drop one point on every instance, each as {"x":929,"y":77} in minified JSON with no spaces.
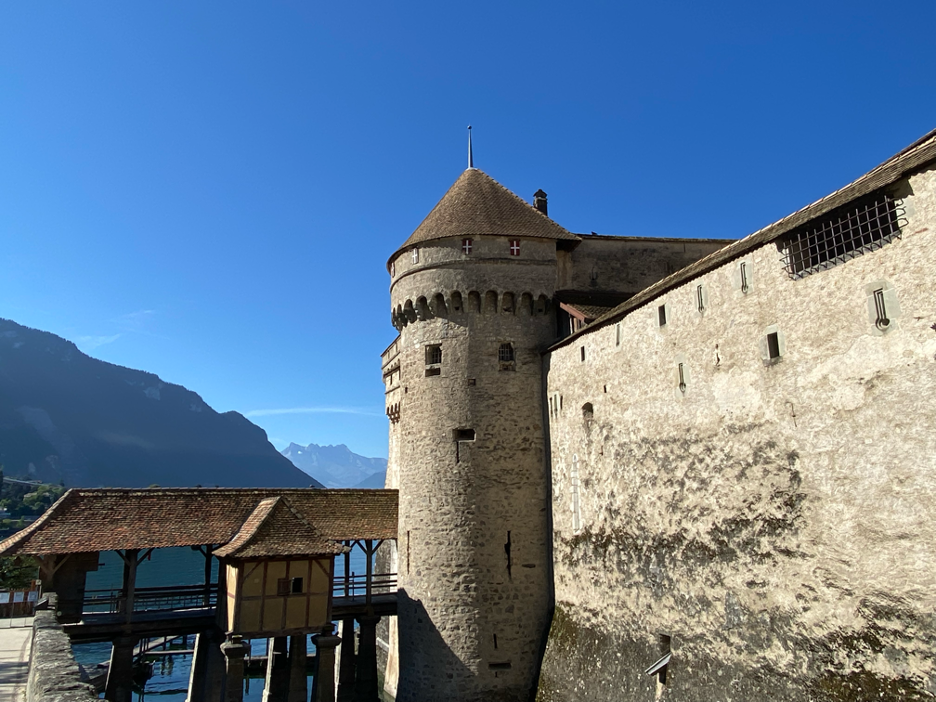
{"x":845,"y":233}
{"x":505,"y":353}
{"x":433,"y":354}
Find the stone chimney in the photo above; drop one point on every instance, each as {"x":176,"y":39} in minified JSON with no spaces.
{"x":539,"y":202}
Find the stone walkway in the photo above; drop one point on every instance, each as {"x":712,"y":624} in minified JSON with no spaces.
{"x":15,"y":643}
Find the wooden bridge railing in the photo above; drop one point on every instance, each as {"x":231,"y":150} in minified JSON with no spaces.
{"x":356,"y":585}
{"x":152,"y":599}
{"x":163,"y":599}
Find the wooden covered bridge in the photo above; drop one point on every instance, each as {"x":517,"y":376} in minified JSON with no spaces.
{"x":276,"y":552}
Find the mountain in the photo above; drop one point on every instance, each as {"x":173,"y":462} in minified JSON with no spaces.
{"x":335,"y":466}
{"x":374,"y":482}
{"x":66,"y":416}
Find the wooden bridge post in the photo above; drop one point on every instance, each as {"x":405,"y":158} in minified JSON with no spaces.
{"x":323,"y":684}
{"x":346,"y":661}
{"x":234,"y":650}
{"x":297,"y":668}
{"x":119,"y":686}
{"x":131,"y":559}
{"x":276,"y":688}
{"x":369,"y":577}
{"x":365,"y":680}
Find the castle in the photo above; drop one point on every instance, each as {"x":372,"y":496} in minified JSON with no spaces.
{"x":639,"y":469}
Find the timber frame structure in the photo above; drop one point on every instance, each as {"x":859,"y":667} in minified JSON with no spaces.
{"x":292,"y":534}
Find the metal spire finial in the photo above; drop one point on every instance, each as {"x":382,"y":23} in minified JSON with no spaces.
{"x":470,"y":157}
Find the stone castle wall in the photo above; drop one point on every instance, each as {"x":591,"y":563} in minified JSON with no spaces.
{"x":772,"y":525}
{"x":627,"y":264}
{"x":473,"y":538}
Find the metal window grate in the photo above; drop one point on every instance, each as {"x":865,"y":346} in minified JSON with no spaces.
{"x":433,"y":355}
{"x":844,"y":234}
{"x":505,"y":354}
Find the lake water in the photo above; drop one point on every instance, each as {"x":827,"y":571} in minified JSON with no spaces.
{"x":176,"y":566}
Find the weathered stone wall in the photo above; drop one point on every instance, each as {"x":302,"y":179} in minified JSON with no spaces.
{"x":387,"y":555}
{"x":473,"y":536}
{"x":53,"y":673}
{"x":776,"y":520}
{"x":626,"y":264}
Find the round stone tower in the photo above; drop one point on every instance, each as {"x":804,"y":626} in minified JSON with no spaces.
{"x":470,"y":293}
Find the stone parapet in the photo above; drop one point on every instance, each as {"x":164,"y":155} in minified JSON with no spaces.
{"x":53,"y":672}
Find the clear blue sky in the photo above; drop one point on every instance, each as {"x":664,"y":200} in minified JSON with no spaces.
{"x":210,"y":190}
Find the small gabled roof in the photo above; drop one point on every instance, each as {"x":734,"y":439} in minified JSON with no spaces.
{"x":477,"y":205}
{"x":273,"y":529}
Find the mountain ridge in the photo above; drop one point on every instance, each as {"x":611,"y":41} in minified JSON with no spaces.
{"x":65,"y":416}
{"x":335,"y":466}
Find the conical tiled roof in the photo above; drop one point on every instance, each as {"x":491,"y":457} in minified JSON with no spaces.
{"x":476,"y":205}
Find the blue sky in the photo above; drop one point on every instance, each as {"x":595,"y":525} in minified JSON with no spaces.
{"x":210,"y":191}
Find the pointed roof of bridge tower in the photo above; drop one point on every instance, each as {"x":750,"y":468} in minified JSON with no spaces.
{"x":274,"y":528}
{"x":477,"y":205}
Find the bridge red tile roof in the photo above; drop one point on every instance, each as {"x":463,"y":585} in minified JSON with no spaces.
{"x":110,"y":519}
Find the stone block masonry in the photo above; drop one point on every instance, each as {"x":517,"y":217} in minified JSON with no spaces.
{"x":53,"y":672}
{"x":751,"y":486}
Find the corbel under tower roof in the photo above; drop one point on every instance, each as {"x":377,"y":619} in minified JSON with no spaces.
{"x":477,"y":205}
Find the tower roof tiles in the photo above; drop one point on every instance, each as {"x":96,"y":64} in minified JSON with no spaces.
{"x":476,"y":205}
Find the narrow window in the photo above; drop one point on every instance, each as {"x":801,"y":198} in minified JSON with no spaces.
{"x":433,"y":360}
{"x":415,"y":255}
{"x":505,"y":353}
{"x":880,"y":309}
{"x":583,"y":353}
{"x":514,"y":247}
{"x":464,"y":435}
{"x":682,"y":378}
{"x":773,"y":346}
{"x":661,"y":315}
{"x":588,"y":411}
{"x":617,"y":334}
{"x":392,"y":268}
{"x":700,"y":298}
{"x":466,"y":246}
{"x":743,"y":269}
{"x":407,"y":551}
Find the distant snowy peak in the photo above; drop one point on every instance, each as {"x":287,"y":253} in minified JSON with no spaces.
{"x":334,"y":466}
